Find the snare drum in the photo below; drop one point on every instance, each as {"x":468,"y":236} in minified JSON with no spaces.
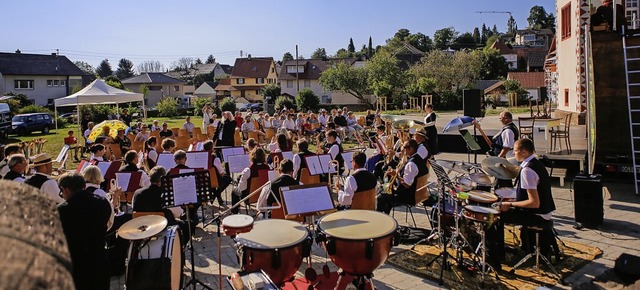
{"x":485,"y":215}
{"x":275,"y":246}
{"x":237,"y":224}
{"x":357,"y":241}
{"x":481,"y":197}
{"x":159,"y":256}
{"x":506,"y":193}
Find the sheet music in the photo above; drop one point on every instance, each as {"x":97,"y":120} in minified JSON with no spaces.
{"x":199,"y":146}
{"x":325,"y":161}
{"x":272,"y":174}
{"x":104,"y":166}
{"x":184,"y":190}
{"x":62,"y":153}
{"x":166,"y":160}
{"x":313,"y":163}
{"x":307,"y":200}
{"x":181,"y":171}
{"x":288,"y":155}
{"x":198,"y":160}
{"x":347,"y":156}
{"x":237,"y":163}
{"x":123,"y":179}
{"x":84,"y":165}
{"x":226,"y":152}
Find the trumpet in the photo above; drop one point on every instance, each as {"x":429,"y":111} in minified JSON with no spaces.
{"x":319,"y":149}
{"x":276,"y":163}
{"x":392,"y":181}
{"x":334,"y":185}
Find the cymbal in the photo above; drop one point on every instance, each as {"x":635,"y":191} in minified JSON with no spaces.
{"x":500,"y":168}
{"x":460,"y":167}
{"x":142,"y":227}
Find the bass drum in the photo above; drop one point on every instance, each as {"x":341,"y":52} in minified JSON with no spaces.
{"x":156,"y":262}
{"x":275,"y":246}
{"x":357,"y":241}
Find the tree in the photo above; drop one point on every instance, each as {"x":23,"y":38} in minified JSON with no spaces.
{"x":351,"y":48}
{"x":287,"y":56}
{"x":343,"y":53}
{"x":465,"y":40}
{"x":494,"y":30}
{"x":514,"y":87}
{"x":210,"y":59}
{"x":104,"y":69}
{"x":420,"y":87}
{"x":272,"y":90}
{"x":167,"y":107}
{"x":343,"y":77}
{"x":227,"y":104}
{"x":150,"y":66}
{"x":284,"y":102}
{"x":511,"y":26}
{"x":539,"y":19}
{"x":114,"y":82}
{"x":420,"y":41}
{"x":85,"y":67}
{"x":442,"y":38}
{"x":125,"y":69}
{"x":307,"y":100}
{"x":319,"y":53}
{"x":450,"y":72}
{"x":144,"y":90}
{"x":199,"y":102}
{"x":370,"y":49}
{"x":494,"y":66}
{"x":484,"y":35}
{"x":383,"y":71}
{"x":198,"y":61}
{"x":476,"y":35}
{"x":220,"y":77}
{"x":182,"y":64}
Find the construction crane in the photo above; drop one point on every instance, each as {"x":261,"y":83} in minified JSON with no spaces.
{"x":494,"y":12}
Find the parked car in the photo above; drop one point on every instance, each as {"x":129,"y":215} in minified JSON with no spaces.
{"x":5,"y":120}
{"x":26,"y":123}
{"x":70,"y":117}
{"x":245,"y":107}
{"x":257,"y":107}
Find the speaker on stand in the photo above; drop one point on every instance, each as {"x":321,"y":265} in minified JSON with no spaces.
{"x":473,"y":103}
{"x":588,"y":201}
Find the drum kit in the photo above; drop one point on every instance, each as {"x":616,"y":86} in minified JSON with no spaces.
{"x":469,"y":207}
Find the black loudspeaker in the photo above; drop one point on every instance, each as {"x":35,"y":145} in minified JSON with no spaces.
{"x":588,"y":201}
{"x":543,"y":94}
{"x":473,"y":103}
{"x":627,"y":267}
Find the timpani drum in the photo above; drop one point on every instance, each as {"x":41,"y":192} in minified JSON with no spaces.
{"x":481,"y":214}
{"x":160,"y":256}
{"x":275,"y":246}
{"x":357,"y":241}
{"x":237,"y":224}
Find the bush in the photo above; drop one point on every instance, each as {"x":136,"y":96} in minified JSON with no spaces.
{"x":98,"y":113}
{"x":228,"y":105}
{"x":307,"y":100}
{"x":282,"y":102}
{"x":14,"y":105}
{"x":198,"y":103}
{"x":167,"y":107}
{"x":62,"y":122}
{"x":34,"y":109}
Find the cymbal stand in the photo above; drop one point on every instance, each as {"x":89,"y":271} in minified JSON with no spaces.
{"x":480,"y":260}
{"x":436,"y":232}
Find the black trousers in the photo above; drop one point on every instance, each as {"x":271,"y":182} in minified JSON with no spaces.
{"x":385,"y":202}
{"x":223,"y":183}
{"x":495,"y":233}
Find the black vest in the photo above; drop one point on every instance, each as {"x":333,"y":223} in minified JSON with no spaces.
{"x":303,"y":163}
{"x":497,"y":139}
{"x":281,"y":181}
{"x":422,"y":170}
{"x":544,"y":188}
{"x":365,"y":180}
{"x":11,"y":175}
{"x":129,"y":168}
{"x":338,"y":156}
{"x":36,"y":180}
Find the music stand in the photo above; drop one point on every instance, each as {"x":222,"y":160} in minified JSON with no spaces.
{"x":188,"y":189}
{"x":306,"y":200}
{"x":472,"y":145}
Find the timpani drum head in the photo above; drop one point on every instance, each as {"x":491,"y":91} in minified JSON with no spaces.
{"x":481,"y":209}
{"x":237,"y":221}
{"x":357,"y":224}
{"x":482,"y":196}
{"x":506,"y":192}
{"x":273,"y":234}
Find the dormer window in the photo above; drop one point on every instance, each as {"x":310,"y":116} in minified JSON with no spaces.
{"x":240,"y":81}
{"x":254,"y":68}
{"x":313,"y":66}
{"x":291,"y":69}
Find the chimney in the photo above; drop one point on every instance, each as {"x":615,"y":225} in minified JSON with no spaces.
{"x":249,"y":56}
{"x":53,"y":53}
{"x":18,"y":51}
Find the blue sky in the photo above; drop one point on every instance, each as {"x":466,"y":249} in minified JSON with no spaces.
{"x":167,"y":30}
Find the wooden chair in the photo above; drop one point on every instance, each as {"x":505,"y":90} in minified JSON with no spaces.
{"x":253,"y":135}
{"x":257,"y":182}
{"x":175,"y":132}
{"x":526,"y":127}
{"x":562,"y":133}
{"x":364,"y":200}
{"x":131,"y":136}
{"x":361,"y":121}
{"x":115,"y":151}
{"x":269,"y":133}
{"x":155,"y":134}
{"x":137,"y":214}
{"x":211,"y":131}
{"x":107,"y":152}
{"x":238,"y":139}
{"x":315,"y":126}
{"x":197,"y":131}
{"x":137,"y":145}
{"x":422,"y":194}
{"x":182,"y":142}
{"x":183,"y":132}
{"x":214,"y":177}
{"x":159,"y":145}
{"x":306,"y":178}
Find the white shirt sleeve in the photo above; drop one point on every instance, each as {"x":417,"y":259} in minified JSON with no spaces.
{"x":50,"y":187}
{"x":410,"y":173}
{"x":529,"y":178}
{"x":296,"y":164}
{"x":273,"y":147}
{"x":244,"y":179}
{"x":145,"y":181}
{"x":334,"y":151}
{"x":345,"y":196}
{"x":264,"y":196}
{"x":218,"y":165}
{"x":507,"y":138}
{"x":153,"y":155}
{"x":422,"y":151}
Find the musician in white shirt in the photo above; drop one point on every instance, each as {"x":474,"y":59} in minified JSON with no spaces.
{"x":380,"y":149}
{"x":360,"y":180}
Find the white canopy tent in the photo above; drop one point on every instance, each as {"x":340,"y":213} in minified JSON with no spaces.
{"x":98,"y":93}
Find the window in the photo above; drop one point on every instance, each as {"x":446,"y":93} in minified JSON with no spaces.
{"x":23,"y":84}
{"x":632,"y":3}
{"x":258,"y":92}
{"x":46,"y":116}
{"x":155,"y":88}
{"x":566,"y":97}
{"x":291,"y":69}
{"x":176,"y":88}
{"x":49,"y":101}
{"x":260,"y":80}
{"x":56,"y":83}
{"x":289,"y":84}
{"x":529,"y":37}
{"x":63,"y":83}
{"x":39,"y":118}
{"x":49,"y":83}
{"x":240,"y":81}
{"x":307,"y":83}
{"x":565,"y":15}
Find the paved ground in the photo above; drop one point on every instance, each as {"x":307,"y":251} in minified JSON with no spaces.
{"x":619,"y":234}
